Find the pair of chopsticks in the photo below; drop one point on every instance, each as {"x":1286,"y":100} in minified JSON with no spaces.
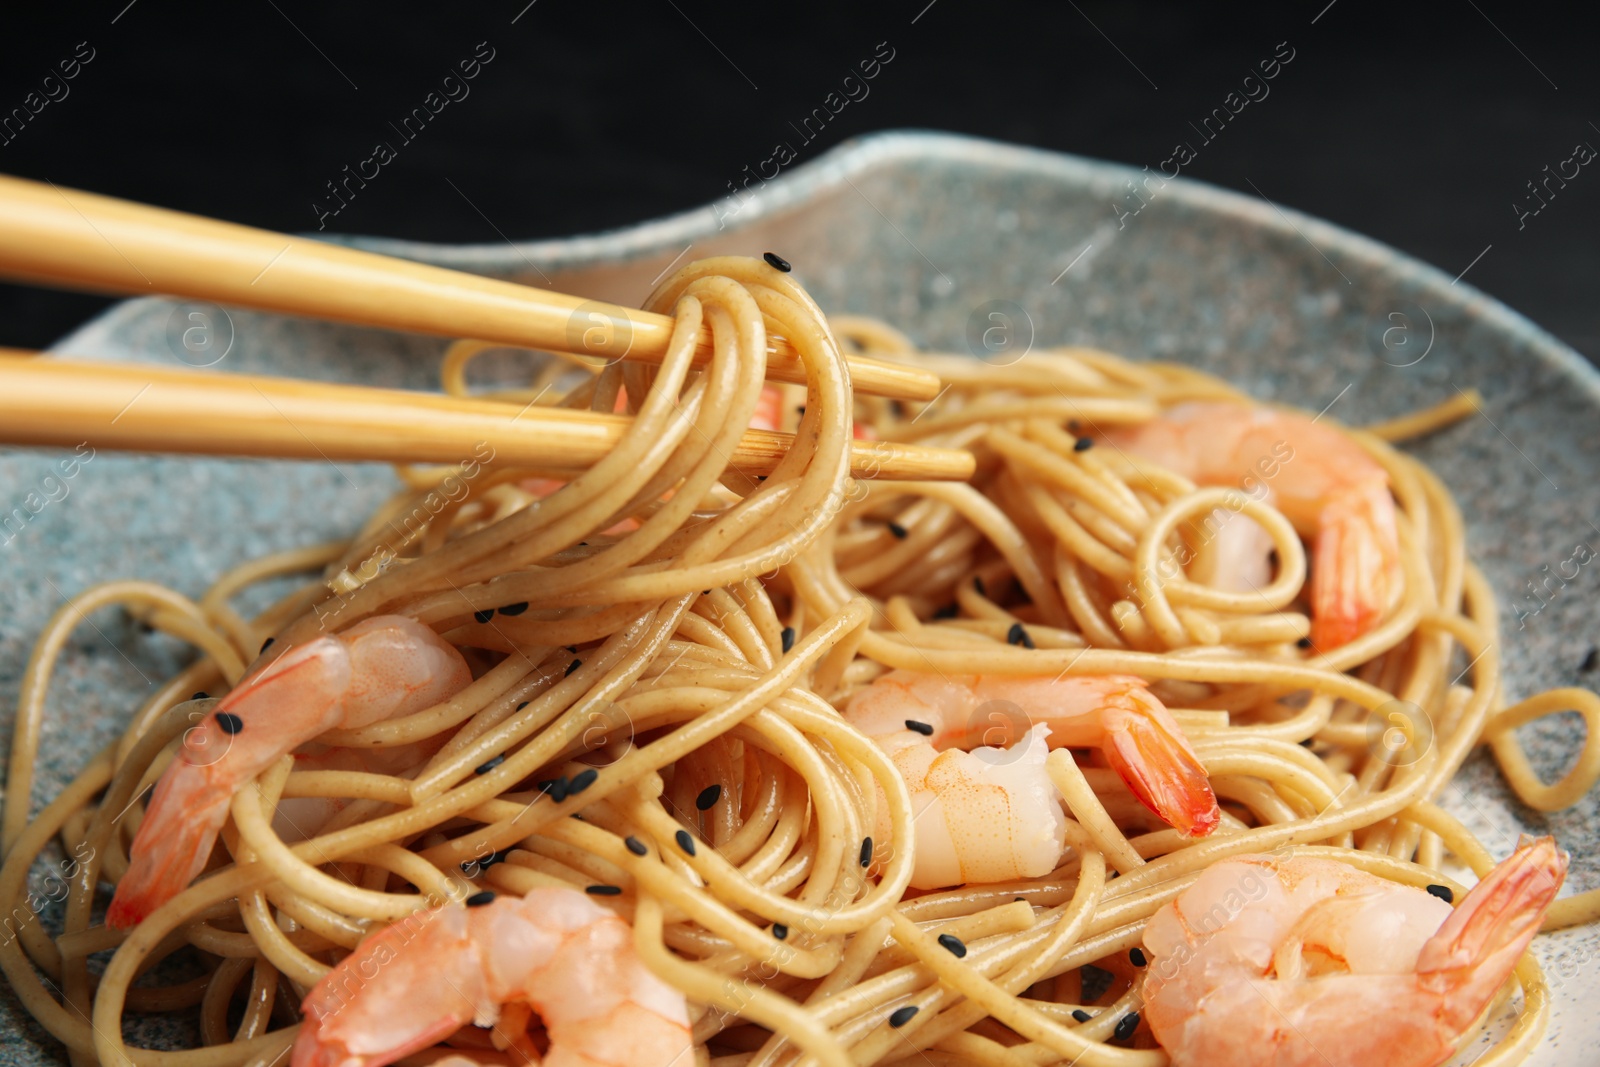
{"x":78,"y":240}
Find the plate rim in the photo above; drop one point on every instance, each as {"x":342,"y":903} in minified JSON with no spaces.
{"x":836,"y":167}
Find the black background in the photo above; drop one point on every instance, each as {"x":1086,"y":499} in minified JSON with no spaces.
{"x":1419,"y":126}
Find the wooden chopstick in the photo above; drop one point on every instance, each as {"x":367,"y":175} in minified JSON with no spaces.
{"x":72,"y":239}
{"x":139,"y":408}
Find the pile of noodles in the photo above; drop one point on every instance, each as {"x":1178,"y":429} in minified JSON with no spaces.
{"x":673,"y":624}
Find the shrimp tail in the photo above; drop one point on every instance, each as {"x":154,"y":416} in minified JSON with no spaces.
{"x":1146,"y":746}
{"x":171,"y":847}
{"x":1355,"y":556}
{"x":1477,"y":947}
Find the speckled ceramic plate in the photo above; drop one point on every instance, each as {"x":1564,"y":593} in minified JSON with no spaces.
{"x":935,"y":234}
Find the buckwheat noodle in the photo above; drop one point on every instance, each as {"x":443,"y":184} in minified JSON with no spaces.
{"x":676,"y":625}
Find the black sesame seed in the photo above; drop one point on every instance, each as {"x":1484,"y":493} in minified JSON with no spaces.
{"x":556,"y":787}
{"x":901,"y":1016}
{"x":230,"y":723}
{"x":977,"y":583}
{"x":573,"y":649}
{"x":581,"y":781}
{"x":900,"y":532}
{"x":483,"y":616}
{"x":1443,"y":893}
{"x":478,"y":900}
{"x":1018,"y":635}
{"x":1304,"y":642}
{"x":489,"y":765}
{"x":484,"y":864}
{"x":685,"y":842}
{"x":925,"y":729}
{"x":954,"y":945}
{"x":1126,"y":1026}
{"x":574,"y":665}
{"x":266,"y":644}
{"x":603,"y":890}
{"x":1136,"y":956}
{"x":514,"y":609}
{"x":780,"y":931}
{"x":866,"y":852}
{"x":708,"y":796}
{"x":1081,"y":1015}
{"x":1590,"y":661}
{"x":202,"y":695}
{"x":949,"y":611}
{"x":524,"y":704}
{"x":776,"y":261}
{"x":636,"y":846}
{"x":788,"y":638}
{"x":1082,"y":444}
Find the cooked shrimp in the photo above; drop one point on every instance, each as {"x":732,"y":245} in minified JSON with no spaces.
{"x":554,"y":951}
{"x":1324,"y":483}
{"x":769,"y":413}
{"x":780,"y":407}
{"x":992,"y":814}
{"x":1265,"y":961}
{"x":386,"y":666}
